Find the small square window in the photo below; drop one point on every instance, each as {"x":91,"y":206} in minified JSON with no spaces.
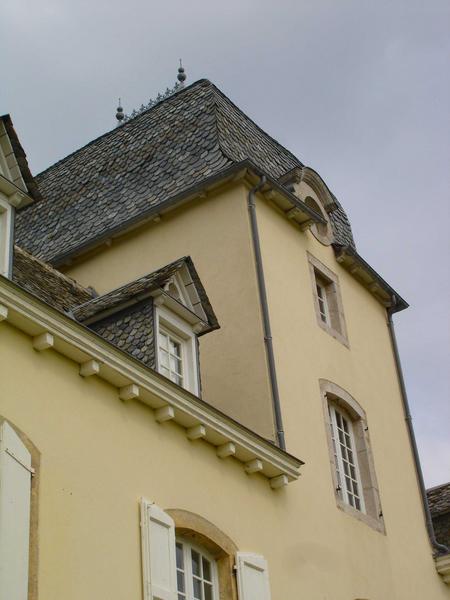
{"x":327,"y":300}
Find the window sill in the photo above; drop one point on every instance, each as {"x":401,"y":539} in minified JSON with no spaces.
{"x":337,"y":335}
{"x":377,"y":524}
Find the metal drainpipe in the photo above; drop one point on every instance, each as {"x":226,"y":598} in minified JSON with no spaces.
{"x":412,"y":438}
{"x":265,"y":313}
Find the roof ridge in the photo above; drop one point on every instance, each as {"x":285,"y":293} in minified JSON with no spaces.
{"x":260,"y":129}
{"x":54,"y":271}
{"x":216,"y":125}
{"x":122,"y":126}
{"x":117,"y":289}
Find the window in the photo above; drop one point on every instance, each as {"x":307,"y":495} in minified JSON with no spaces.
{"x":186,"y":557}
{"x":352,"y":466}
{"x":196,"y":573}
{"x":177,"y":357}
{"x":321,"y":231}
{"x":170,"y":357}
{"x":348,"y":478}
{"x":327,"y":300}
{"x":322,"y":301}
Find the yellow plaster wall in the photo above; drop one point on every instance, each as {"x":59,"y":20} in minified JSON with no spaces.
{"x":305,"y":353}
{"x":99,"y":456}
{"x":215,"y":233}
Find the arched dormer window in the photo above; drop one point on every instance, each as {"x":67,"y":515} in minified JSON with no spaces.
{"x":307,"y":185}
{"x":321,"y":231}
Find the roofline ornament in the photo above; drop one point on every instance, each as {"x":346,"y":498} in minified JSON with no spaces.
{"x":124,"y":118}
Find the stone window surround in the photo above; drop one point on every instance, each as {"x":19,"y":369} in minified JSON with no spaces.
{"x":373,"y":516}
{"x":202,"y":532}
{"x":34,"y":511}
{"x":334,"y":300}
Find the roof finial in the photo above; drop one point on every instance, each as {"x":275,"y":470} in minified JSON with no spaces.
{"x":181,"y":75}
{"x":119,"y":114}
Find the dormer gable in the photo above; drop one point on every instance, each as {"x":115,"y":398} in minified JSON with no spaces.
{"x":157,"y":319}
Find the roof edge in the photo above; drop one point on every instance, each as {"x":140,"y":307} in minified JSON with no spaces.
{"x":355,"y":264}
{"x":173,"y":202}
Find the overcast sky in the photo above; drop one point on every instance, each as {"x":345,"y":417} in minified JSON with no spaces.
{"x":358,"y":90}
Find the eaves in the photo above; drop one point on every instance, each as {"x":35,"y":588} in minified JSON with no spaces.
{"x":55,"y":331}
{"x":369,"y":278}
{"x":293,"y":207}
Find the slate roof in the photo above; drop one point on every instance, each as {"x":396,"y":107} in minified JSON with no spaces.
{"x":147,"y":283}
{"x":131,"y":330}
{"x":195,"y":134}
{"x":46,"y":283}
{"x":439,"y":499}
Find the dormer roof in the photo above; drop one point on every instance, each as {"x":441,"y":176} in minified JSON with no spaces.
{"x":179,"y":285}
{"x":16,"y":180}
{"x":149,"y":162}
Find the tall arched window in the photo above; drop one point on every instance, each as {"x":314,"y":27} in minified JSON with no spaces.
{"x":352,"y":466}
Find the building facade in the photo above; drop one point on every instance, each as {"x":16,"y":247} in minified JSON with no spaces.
{"x":199,"y":377}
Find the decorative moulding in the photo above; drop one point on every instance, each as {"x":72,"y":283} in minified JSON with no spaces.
{"x":97,"y":357}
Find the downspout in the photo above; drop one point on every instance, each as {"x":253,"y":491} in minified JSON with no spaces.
{"x":441,"y":549}
{"x":265,"y":313}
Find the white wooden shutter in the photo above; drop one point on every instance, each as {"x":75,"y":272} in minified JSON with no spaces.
{"x":252,"y":577}
{"x":158,"y":553}
{"x":15,"y":488}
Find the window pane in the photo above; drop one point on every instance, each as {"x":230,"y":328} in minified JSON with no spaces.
{"x":163,"y":341}
{"x":164,"y":359}
{"x":180,"y":582}
{"x":206,"y":569}
{"x":196,"y":563}
{"x":197,"y":589}
{"x":207,"y":587}
{"x":174,"y":347}
{"x":180,"y":557}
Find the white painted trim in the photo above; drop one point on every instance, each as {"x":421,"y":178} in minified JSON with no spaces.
{"x":6,"y":238}
{"x":31,"y":315}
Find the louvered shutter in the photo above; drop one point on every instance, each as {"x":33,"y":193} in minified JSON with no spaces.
{"x":252,"y":577}
{"x":158,"y":553}
{"x":15,"y":489}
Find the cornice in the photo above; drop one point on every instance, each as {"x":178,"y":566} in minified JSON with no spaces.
{"x":52,"y":330}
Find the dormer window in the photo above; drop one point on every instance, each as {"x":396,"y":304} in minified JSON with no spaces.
{"x":170,"y":356}
{"x":157,"y":319}
{"x":177,"y":355}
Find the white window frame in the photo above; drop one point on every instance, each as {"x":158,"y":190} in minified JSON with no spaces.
{"x":5,"y":237}
{"x":181,"y":331}
{"x":188,"y":594}
{"x":343,"y":489}
{"x":322,"y":298}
